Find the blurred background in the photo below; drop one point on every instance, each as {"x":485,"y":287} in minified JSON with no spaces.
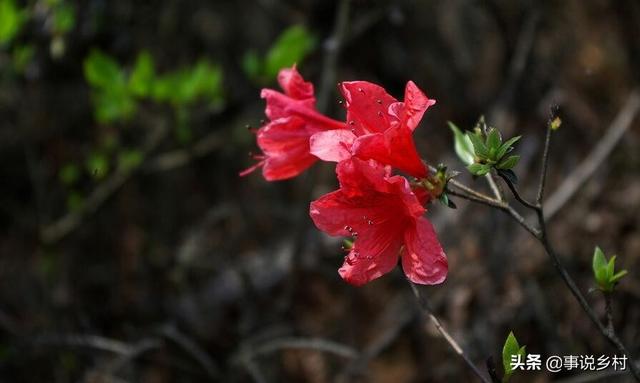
{"x":131,"y":251}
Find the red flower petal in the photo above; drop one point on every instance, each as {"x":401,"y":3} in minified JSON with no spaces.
{"x":285,"y":143}
{"x":415,"y":104}
{"x":394,"y":147}
{"x":332,"y":145}
{"x":359,"y":269}
{"x":424,"y":261}
{"x":367,"y":106}
{"x":294,"y":85}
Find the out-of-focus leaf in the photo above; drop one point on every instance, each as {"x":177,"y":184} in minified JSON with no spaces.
{"x":22,"y":56}
{"x":185,"y":86}
{"x":290,"y":48}
{"x":142,"y":75}
{"x":112,"y":106}
{"x":129,"y":159}
{"x":252,"y":65}
{"x":98,"y":165}
{"x":102,"y":71}
{"x":69,"y":174}
{"x":64,"y":18}
{"x":462,"y":144}
{"x":11,"y":20}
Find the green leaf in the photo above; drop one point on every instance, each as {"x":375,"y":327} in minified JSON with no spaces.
{"x":494,"y":139}
{"x":610,"y":267}
{"x":506,"y":147}
{"x":183,"y":87}
{"x":508,"y":163}
{"x":252,"y":65}
{"x":616,"y":277}
{"x":142,"y":75}
{"x":102,"y":71}
{"x":129,"y":159}
{"x":69,"y":174}
{"x":22,"y":56}
{"x":98,"y":165}
{"x":113,"y":106}
{"x":291,"y":47}
{"x":479,"y":169}
{"x":479,"y":147}
{"x":511,"y":347}
{"x":462,"y":144}
{"x":64,"y":18}
{"x":599,"y":261}
{"x":12,"y":19}
{"x":555,"y":123}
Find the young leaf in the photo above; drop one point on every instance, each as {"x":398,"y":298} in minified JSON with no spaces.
{"x":494,"y":139}
{"x":508,"y":163}
{"x":11,"y":20}
{"x":479,"y":148}
{"x":511,"y":347}
{"x":555,"y":124}
{"x":599,"y":261}
{"x":64,"y":18}
{"x":290,"y":47}
{"x":252,"y":65}
{"x":616,"y":277}
{"x":479,"y":169}
{"x":507,"y":146}
{"x":142,"y":75}
{"x":102,"y":71}
{"x":462,"y":144}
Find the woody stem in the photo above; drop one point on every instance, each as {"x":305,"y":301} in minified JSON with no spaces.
{"x":425,"y":306}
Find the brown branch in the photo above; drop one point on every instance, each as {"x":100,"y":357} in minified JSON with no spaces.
{"x":426,"y":309}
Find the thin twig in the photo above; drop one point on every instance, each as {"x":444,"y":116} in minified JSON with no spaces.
{"x":596,"y":157}
{"x":316,"y":344}
{"x":68,"y":223}
{"x":494,"y":186}
{"x":192,"y":349}
{"x":426,"y":308}
{"x":516,"y":194}
{"x":545,"y":165}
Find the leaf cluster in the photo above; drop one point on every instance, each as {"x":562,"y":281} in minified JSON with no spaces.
{"x":116,"y":91}
{"x":604,"y":271}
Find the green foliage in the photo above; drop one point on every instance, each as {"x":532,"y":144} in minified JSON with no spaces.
{"x":69,"y":174}
{"x":22,"y":56}
{"x":12,"y":19}
{"x":64,"y":18}
{"x":462,"y":144}
{"x":511,"y":347}
{"x":102,"y":71}
{"x":129,"y":159}
{"x":98,"y":165}
{"x":604,"y":271}
{"x":116,"y":93}
{"x":142,"y":76}
{"x":483,"y":149}
{"x":203,"y":81}
{"x":291,"y":47}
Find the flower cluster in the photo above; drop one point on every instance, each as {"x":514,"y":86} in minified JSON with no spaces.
{"x":382,"y":212}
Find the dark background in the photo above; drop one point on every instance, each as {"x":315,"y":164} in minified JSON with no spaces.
{"x":186,"y":272}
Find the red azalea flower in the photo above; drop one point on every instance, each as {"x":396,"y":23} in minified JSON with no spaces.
{"x":386,"y":218}
{"x":380,"y":128}
{"x":284,"y":140}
